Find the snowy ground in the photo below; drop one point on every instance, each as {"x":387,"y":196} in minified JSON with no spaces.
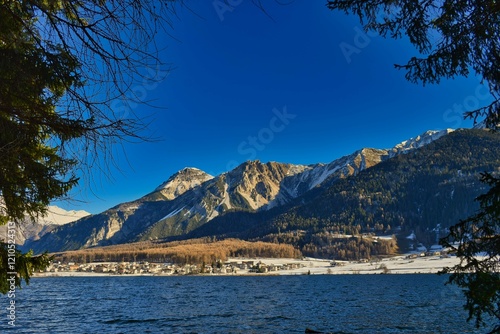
{"x":394,"y":265}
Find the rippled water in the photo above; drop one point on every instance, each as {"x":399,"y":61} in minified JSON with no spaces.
{"x":267,"y":304}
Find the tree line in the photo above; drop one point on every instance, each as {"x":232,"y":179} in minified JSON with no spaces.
{"x":195,"y":251}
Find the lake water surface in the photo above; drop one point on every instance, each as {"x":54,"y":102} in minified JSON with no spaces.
{"x":266,"y":304}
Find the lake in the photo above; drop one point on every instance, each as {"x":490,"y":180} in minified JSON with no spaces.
{"x":251,"y":304}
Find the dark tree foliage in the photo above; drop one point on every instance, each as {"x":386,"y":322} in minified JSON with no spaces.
{"x":476,"y":242}
{"x":62,"y":65}
{"x":454,"y":38}
{"x":18,"y":266}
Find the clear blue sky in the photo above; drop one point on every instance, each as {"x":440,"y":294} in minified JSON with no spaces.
{"x":233,"y":68}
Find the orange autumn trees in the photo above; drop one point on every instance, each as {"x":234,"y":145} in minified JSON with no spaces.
{"x":195,"y":251}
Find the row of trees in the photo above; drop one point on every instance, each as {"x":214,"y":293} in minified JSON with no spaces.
{"x":187,"y":252}
{"x":331,"y":245}
{"x":349,"y":249}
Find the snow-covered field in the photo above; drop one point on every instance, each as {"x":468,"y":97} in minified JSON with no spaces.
{"x":393,"y":265}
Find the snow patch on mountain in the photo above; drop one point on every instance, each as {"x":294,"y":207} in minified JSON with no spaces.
{"x":226,"y":200}
{"x":173,"y":213}
{"x":319,"y":175}
{"x":418,"y":141}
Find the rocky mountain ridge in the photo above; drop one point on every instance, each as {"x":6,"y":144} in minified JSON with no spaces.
{"x":55,"y":217}
{"x":421,"y":193}
{"x":191,"y":198}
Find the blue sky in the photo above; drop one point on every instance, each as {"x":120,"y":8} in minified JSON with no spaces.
{"x":303,"y":87}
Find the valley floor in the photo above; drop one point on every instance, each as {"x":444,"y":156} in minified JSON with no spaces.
{"x":392,"y":265}
{"x":402,"y":264}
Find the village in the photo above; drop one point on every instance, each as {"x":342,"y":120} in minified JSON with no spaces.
{"x":147,"y":268}
{"x":416,"y":262}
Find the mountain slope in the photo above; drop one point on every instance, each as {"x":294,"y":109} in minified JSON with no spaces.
{"x":184,"y":202}
{"x":191,"y":198}
{"x":55,"y":217}
{"x":435,"y":184}
{"x":119,"y":223}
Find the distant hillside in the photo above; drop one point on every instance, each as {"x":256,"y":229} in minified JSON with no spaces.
{"x":56,"y":216}
{"x":328,"y":210}
{"x":436,"y":184}
{"x":191,"y":198}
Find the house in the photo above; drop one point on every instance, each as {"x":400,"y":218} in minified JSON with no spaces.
{"x":260,"y":268}
{"x":273,"y":267}
{"x":74,"y":267}
{"x":101,"y":268}
{"x":248,"y":264}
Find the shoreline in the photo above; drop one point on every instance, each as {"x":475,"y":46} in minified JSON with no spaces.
{"x":399,"y":264}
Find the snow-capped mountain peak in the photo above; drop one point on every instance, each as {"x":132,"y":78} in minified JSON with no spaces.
{"x":418,"y":141}
{"x":55,"y":216}
{"x":58,"y":216}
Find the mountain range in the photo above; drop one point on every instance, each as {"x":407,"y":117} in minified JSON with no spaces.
{"x":54,"y":217}
{"x":427,"y":180}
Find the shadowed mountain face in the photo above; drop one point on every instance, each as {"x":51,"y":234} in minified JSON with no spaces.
{"x":262,"y":194}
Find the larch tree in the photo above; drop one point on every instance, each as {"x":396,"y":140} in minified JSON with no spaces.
{"x":454,"y":38}
{"x":63,"y":66}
